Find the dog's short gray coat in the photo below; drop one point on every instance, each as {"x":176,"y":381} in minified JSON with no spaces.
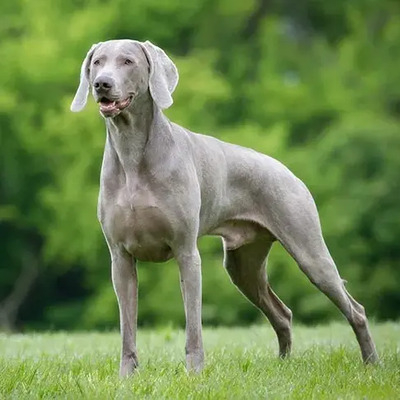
{"x":162,"y":187}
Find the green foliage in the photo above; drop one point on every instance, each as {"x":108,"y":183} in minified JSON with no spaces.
{"x":316,"y":86}
{"x":240,"y":363}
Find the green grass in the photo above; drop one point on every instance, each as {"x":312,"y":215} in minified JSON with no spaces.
{"x":240,"y":363}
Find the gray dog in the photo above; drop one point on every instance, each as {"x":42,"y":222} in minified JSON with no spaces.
{"x":162,"y":187}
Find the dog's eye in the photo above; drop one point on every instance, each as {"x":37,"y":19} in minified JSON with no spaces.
{"x":128,"y":61}
{"x":96,"y":62}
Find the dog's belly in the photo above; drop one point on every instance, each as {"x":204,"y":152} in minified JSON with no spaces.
{"x":237,"y":233}
{"x":142,"y":230}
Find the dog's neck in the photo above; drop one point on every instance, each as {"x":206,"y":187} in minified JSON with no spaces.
{"x":129,"y":132}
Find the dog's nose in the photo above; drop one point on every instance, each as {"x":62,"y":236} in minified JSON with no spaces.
{"x":103,"y":83}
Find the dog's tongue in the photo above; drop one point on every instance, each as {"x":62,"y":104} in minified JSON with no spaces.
{"x":108,"y":105}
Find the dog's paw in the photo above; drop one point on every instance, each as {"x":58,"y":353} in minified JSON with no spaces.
{"x":128,"y":365}
{"x":195,"y":362}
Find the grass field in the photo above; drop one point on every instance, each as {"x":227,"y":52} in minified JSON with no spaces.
{"x":241,"y":363}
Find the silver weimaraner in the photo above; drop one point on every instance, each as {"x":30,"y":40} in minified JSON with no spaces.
{"x":162,"y":187}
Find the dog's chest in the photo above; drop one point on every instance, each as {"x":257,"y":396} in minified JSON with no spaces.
{"x":136,"y":220}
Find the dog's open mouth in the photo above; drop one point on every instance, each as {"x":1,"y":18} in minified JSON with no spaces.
{"x":110,"y":107}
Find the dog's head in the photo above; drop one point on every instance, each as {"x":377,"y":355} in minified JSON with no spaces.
{"x":118,"y":71}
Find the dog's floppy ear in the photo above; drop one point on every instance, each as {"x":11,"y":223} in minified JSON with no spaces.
{"x":163,"y":76}
{"x":81,"y":95}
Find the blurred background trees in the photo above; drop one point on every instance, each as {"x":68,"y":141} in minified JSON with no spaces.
{"x":315,"y":84}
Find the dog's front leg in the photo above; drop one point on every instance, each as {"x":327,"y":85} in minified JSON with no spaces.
{"x":124,"y":277}
{"x":190,"y":275}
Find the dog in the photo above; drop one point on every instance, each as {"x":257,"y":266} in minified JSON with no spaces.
{"x":163,"y":186}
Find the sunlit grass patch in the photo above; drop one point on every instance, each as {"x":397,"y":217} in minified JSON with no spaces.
{"x":240,"y":363}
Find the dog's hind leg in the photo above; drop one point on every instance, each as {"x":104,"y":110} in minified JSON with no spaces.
{"x":246,"y":267}
{"x":297,"y":227}
{"x":321,"y":270}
